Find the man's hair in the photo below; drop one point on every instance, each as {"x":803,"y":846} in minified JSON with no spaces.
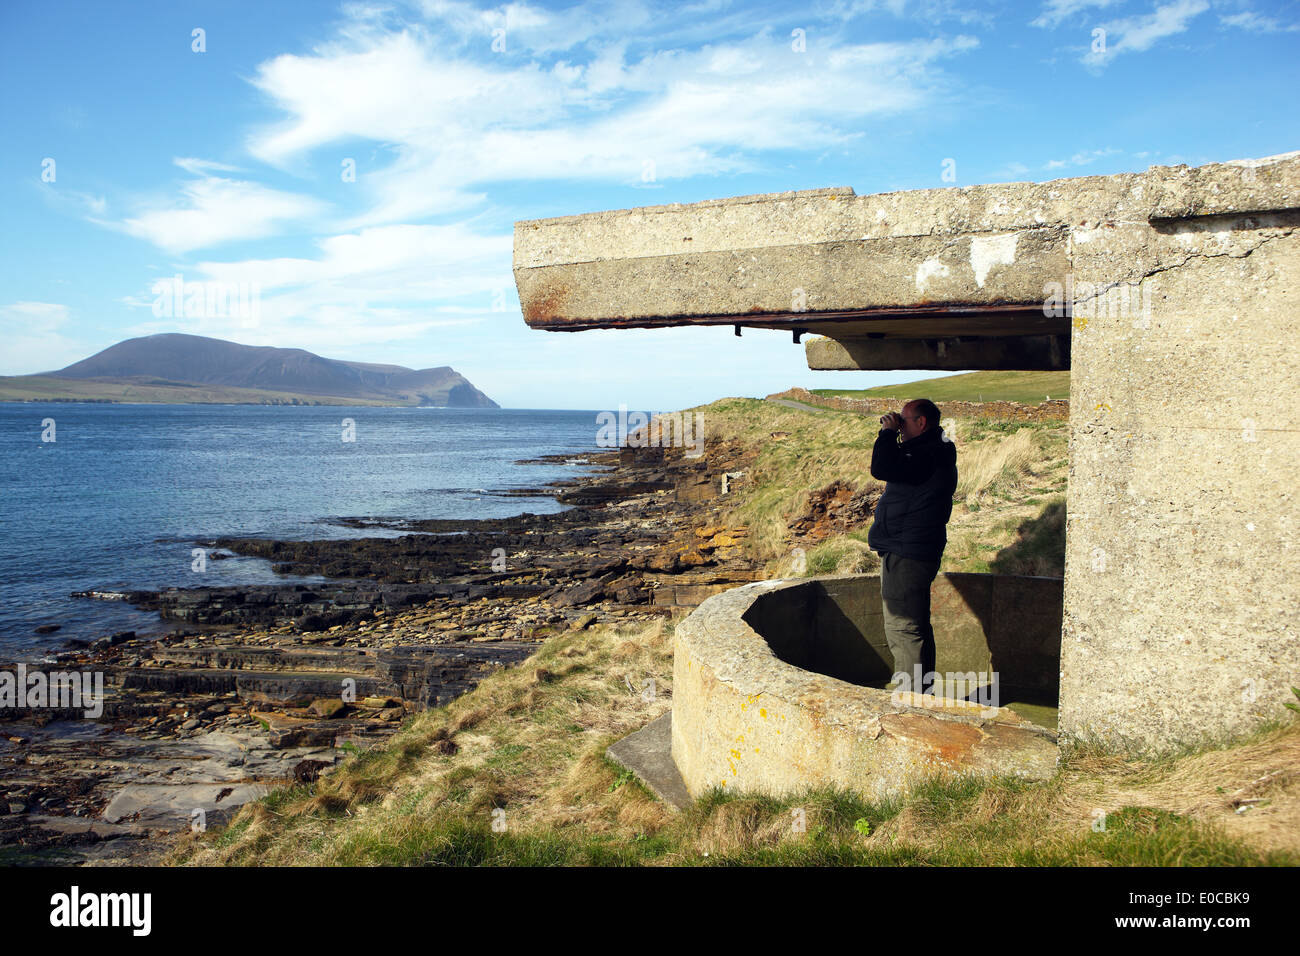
{"x":923,"y":406}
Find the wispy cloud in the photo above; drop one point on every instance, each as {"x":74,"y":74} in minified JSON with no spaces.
{"x":33,"y":338}
{"x":1010,"y":170}
{"x":1140,"y":33}
{"x":370,"y":287}
{"x":201,"y":167}
{"x":457,"y":125}
{"x":1254,"y":23}
{"x":1057,"y":11}
{"x":1081,"y":158}
{"x":213,"y":209}
{"x":39,"y":316}
{"x":924,"y":11}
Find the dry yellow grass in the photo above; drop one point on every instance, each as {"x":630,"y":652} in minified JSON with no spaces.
{"x":984,"y":462}
{"x":1263,"y":776}
{"x":1093,"y":787}
{"x":529,"y":742}
{"x":1008,"y":474}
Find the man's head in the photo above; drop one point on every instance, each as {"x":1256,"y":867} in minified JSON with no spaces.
{"x":919,"y":416}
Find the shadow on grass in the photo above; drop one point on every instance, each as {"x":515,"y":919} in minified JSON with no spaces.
{"x":1039,"y":547}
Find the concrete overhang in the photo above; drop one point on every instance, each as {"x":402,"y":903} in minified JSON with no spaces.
{"x":955,"y":278}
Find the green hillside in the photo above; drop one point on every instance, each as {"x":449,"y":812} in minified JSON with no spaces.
{"x":1028,"y":387}
{"x":47,"y":388}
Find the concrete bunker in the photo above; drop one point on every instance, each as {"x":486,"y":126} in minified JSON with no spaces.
{"x":755,"y":710}
{"x":1170,"y":294}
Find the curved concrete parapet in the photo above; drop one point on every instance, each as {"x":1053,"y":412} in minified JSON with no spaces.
{"x":747,"y":719}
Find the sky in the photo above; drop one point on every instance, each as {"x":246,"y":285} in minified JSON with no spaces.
{"x":348,"y":174}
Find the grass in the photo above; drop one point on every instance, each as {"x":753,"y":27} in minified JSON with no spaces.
{"x":48,"y":388}
{"x":519,"y":792}
{"x":1027,"y":387}
{"x":824,"y":445}
{"x":842,"y":554}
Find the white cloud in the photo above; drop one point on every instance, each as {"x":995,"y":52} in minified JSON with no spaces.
{"x":1254,"y":23}
{"x":1140,"y":33}
{"x":1056,"y":11}
{"x":453,"y":258}
{"x":364,"y":289}
{"x":76,"y":203}
{"x":924,"y":11}
{"x":457,"y":126}
{"x":40,"y":316}
{"x":214,"y":210}
{"x":543,"y":30}
{"x":33,"y":338}
{"x":201,"y":167}
{"x":1081,"y":158}
{"x":857,"y":8}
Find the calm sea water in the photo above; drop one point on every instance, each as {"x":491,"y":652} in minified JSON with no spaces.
{"x":121,"y":495}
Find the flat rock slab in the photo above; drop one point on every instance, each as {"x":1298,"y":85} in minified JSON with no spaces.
{"x":170,"y":805}
{"x":648,"y":754}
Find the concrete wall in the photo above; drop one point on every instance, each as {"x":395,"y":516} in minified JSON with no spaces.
{"x":1181,"y":575}
{"x":746,"y":716}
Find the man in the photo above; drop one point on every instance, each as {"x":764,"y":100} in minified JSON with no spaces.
{"x":909,"y":533}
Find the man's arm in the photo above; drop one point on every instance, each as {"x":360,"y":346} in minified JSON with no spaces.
{"x":891,"y":461}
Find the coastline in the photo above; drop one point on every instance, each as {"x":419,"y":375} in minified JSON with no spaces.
{"x":276,"y":684}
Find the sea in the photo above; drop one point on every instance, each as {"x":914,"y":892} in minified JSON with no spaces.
{"x":117,"y":497}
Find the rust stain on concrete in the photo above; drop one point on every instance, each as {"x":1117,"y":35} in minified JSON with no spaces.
{"x":544,"y":305}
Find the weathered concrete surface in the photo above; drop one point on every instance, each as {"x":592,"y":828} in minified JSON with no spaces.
{"x":648,"y":754}
{"x":1181,"y":582}
{"x":963,"y":261}
{"x":744,"y":718}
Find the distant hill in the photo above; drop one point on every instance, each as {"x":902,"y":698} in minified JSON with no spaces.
{"x":172,"y":367}
{"x":1028,"y":387}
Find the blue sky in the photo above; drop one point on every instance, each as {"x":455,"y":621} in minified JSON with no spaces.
{"x":358,"y":166}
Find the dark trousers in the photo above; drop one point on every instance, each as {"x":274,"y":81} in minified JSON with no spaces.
{"x":905,"y":602}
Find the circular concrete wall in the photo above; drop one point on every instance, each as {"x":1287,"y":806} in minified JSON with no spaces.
{"x":746,"y":719}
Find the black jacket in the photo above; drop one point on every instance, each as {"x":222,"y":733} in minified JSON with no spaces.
{"x":920,"y":476}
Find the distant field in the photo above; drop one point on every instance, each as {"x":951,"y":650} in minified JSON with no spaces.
{"x":47,"y":388}
{"x":1028,"y":387}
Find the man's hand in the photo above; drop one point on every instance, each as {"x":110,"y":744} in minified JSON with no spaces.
{"x":891,"y":420}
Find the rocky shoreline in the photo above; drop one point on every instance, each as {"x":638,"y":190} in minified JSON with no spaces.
{"x":264,"y":686}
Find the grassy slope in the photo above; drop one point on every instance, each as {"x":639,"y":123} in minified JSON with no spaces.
{"x":1028,"y":387}
{"x":1010,"y":509}
{"x":525,"y":750}
{"x":21,"y":388}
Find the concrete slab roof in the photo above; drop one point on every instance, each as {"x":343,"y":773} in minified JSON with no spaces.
{"x":930,"y":278}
